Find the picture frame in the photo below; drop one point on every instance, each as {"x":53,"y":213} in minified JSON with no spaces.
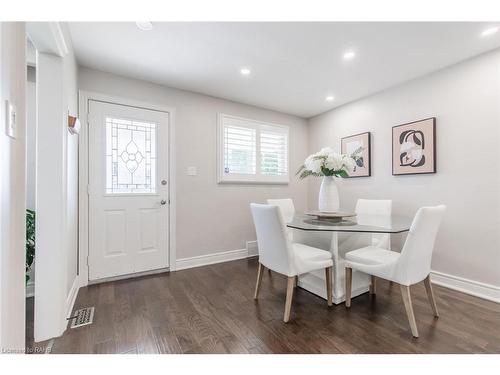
{"x":414,"y":147}
{"x":350,"y":143}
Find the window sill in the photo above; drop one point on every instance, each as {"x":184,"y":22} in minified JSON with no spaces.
{"x":246,"y":182}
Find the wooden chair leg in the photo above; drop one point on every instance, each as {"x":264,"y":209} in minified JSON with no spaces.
{"x":348,"y":286}
{"x":289,"y":296}
{"x":328,"y":278}
{"x":405,"y":292}
{"x":430,"y":296}
{"x":259,"y":281}
{"x":296,"y":281}
{"x":373,"y":285}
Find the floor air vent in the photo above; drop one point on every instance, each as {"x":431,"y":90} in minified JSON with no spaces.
{"x":82,"y":317}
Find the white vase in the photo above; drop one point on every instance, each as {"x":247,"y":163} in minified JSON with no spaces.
{"x":328,"y":195}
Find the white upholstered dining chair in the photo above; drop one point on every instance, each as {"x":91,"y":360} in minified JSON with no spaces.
{"x":373,"y":212}
{"x":278,"y":253}
{"x":366,"y":208}
{"x":287,"y":210}
{"x":407,"y":268}
{"x":286,"y":206}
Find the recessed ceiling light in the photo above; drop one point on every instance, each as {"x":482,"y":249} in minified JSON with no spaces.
{"x":144,"y":26}
{"x":349,"y":55}
{"x":490,"y":31}
{"x":330,"y":98}
{"x":245,"y":71}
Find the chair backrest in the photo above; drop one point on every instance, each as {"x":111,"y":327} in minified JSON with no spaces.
{"x":374,"y":207}
{"x":414,"y":264}
{"x":274,"y":246}
{"x":286,"y":206}
{"x":373,"y":212}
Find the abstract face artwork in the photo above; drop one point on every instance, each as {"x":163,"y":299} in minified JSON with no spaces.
{"x":414,"y":147}
{"x":353,"y":144}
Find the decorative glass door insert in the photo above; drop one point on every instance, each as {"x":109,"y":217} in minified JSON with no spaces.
{"x":130,"y":157}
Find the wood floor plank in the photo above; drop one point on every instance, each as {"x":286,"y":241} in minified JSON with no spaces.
{"x":211,"y":310}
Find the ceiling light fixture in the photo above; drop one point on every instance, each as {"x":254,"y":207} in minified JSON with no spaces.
{"x":330,"y":98}
{"x":490,"y":31}
{"x":349,"y":55}
{"x":245,"y":71}
{"x":144,"y":26}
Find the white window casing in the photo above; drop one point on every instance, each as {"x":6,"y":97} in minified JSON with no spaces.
{"x":252,"y":151}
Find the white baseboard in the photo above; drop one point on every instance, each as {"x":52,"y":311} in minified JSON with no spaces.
{"x":70,"y":301}
{"x":252,"y":248}
{"x":205,"y":260}
{"x":30,"y":289}
{"x":474,"y":288}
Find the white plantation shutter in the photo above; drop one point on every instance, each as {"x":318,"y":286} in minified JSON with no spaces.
{"x":273,"y":153}
{"x":252,"y":151}
{"x":239,"y":150}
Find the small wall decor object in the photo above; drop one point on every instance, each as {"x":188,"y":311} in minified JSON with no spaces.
{"x":360,"y":145}
{"x":73,"y":124}
{"x":414,"y":147}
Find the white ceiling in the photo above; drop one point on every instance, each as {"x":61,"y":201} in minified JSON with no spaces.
{"x":294,"y":66}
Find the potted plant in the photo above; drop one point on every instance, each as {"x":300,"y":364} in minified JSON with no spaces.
{"x":30,"y":241}
{"x":329,"y":164}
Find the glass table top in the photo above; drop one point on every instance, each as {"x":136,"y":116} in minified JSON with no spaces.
{"x":359,"y":223}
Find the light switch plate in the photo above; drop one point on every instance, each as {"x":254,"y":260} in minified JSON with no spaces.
{"x":10,"y":119}
{"x":192,"y":171}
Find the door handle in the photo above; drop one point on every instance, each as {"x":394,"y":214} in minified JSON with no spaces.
{"x":163,"y":202}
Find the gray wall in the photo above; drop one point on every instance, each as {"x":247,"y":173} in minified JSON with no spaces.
{"x":210,"y":217}
{"x":466,"y":102}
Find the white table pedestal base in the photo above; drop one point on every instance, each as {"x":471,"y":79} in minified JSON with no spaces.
{"x":315,"y":281}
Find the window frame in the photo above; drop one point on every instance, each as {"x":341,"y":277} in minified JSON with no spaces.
{"x":129,"y":194}
{"x":258,"y":177}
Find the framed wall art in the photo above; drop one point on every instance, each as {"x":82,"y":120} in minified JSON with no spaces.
{"x":414,"y":147}
{"x":351,"y":144}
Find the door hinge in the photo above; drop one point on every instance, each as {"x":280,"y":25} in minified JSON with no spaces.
{"x":88,"y":189}
{"x":87,"y":261}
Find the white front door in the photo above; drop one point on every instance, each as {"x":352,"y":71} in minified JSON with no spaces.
{"x":128,"y":190}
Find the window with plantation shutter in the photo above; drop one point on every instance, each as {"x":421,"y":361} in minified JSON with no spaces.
{"x":239,"y":150}
{"x":252,"y":151}
{"x":273,"y":152}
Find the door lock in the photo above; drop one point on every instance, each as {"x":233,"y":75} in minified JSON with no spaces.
{"x":163,"y":182}
{"x":163,"y":202}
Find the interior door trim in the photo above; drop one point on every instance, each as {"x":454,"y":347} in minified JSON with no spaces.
{"x":83,"y":175}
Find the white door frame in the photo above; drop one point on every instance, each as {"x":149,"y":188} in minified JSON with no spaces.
{"x":83,"y":163}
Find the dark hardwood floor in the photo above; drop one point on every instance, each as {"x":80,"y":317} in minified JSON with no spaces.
{"x":211,"y":310}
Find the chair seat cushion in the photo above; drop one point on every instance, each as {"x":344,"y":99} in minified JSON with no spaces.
{"x":372,"y":255}
{"x":309,"y":258}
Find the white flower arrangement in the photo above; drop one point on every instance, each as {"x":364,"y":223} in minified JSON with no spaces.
{"x":327,"y":162}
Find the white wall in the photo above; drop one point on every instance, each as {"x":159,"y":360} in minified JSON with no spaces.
{"x":12,"y":188}
{"x":210,"y":217}
{"x":57,"y":185}
{"x":70,"y":105}
{"x":465,"y":99}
